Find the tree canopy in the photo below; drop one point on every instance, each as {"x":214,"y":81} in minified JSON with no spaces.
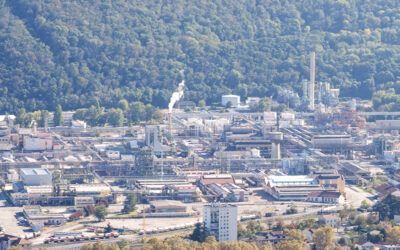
{"x":100,"y":212}
{"x":75,"y":53}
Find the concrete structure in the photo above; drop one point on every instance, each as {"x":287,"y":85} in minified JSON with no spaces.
{"x":312,"y":82}
{"x":220,"y":221}
{"x":35,"y":176}
{"x":276,"y":139}
{"x":38,"y":142}
{"x":234,"y":99}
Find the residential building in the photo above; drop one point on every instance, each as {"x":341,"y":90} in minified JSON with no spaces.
{"x":220,"y":221}
{"x":326,"y":197}
{"x":329,"y":220}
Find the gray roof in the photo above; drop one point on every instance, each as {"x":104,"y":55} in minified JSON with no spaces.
{"x":166,"y":203}
{"x":35,"y":171}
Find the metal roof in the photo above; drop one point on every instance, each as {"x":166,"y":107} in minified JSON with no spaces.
{"x":35,"y":171}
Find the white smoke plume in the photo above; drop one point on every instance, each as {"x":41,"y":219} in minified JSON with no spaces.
{"x":178,"y":94}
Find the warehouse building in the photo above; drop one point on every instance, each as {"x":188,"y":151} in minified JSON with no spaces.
{"x":291,"y":187}
{"x":167,"y":206}
{"x":35,"y":176}
{"x":228,"y":192}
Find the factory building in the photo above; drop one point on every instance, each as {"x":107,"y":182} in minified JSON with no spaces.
{"x":330,"y":179}
{"x":81,"y":202}
{"x":227,"y":192}
{"x":38,"y":143}
{"x":35,"y":176}
{"x":167,"y":206}
{"x":154,"y":139}
{"x":216,"y":178}
{"x":220,"y":221}
{"x":387,"y":124}
{"x":290,"y":187}
{"x":49,"y":196}
{"x":38,"y":219}
{"x":168,"y":189}
{"x":90,"y":189}
{"x":332,"y":142}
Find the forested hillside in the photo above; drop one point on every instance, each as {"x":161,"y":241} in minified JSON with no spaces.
{"x":70,"y":52}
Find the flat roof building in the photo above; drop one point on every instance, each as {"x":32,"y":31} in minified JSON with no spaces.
{"x":167,"y":206}
{"x":35,"y":176}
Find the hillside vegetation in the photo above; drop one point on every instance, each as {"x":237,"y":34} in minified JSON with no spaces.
{"x":80,"y":52}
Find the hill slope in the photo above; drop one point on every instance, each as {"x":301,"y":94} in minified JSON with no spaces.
{"x":70,"y":52}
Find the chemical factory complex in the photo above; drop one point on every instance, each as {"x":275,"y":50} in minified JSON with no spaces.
{"x":217,"y":165}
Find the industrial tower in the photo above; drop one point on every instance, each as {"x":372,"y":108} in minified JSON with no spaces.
{"x":311,"y":86}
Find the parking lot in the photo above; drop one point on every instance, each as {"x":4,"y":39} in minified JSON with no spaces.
{"x":8,"y":220}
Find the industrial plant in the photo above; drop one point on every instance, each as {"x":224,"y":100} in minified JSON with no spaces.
{"x":218,"y":165}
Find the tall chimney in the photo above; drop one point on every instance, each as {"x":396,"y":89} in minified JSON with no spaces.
{"x":312,"y":81}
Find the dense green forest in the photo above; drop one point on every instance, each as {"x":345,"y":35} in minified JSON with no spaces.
{"x":77,"y":53}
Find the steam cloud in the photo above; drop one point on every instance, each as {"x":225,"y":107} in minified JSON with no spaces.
{"x":178,"y":94}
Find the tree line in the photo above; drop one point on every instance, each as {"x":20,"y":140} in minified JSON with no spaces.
{"x":123,"y":114}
